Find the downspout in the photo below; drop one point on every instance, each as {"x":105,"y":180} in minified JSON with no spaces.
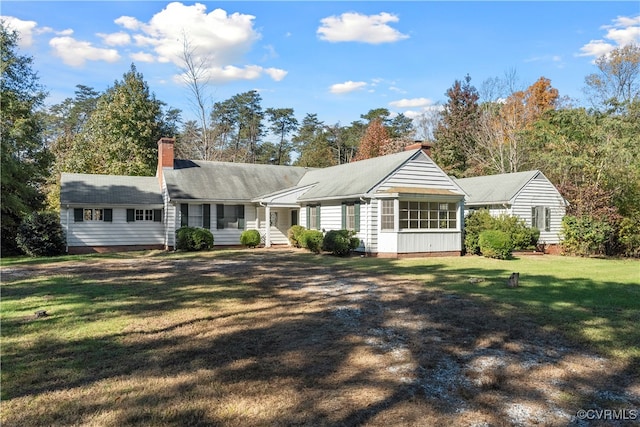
{"x":367,"y":246}
{"x":66,"y":238}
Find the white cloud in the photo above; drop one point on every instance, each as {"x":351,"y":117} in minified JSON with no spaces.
{"x":624,"y":30}
{"x":347,"y":87}
{"x":115,"y":39}
{"x":276,"y":73}
{"x":411,"y":103}
{"x":355,"y":27}
{"x":25,"y":29}
{"x":217,"y":38}
{"x":76,"y":53}
{"x":142,"y":57}
{"x":222,"y":37}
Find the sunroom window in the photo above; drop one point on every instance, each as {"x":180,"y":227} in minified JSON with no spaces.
{"x":419,"y":215}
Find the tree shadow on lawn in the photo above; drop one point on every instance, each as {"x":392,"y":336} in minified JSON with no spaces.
{"x":300,"y":343}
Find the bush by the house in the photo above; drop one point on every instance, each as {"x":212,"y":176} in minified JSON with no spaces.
{"x":520,"y":235}
{"x":250,"y":238}
{"x":193,"y":239}
{"x":312,"y":240}
{"x":474,"y":224}
{"x":585,"y":235}
{"x":41,"y":234}
{"x":294,"y":234}
{"x":495,"y":244}
{"x":340,"y":242}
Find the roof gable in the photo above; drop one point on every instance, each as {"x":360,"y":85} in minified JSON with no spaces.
{"x":495,"y":189}
{"x":94,"y":189}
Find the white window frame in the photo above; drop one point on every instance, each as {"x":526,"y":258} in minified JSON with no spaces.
{"x":420,"y":215}
{"x":93,"y":214}
{"x":388,"y":215}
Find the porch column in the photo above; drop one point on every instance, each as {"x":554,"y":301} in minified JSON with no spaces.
{"x":267,"y":226}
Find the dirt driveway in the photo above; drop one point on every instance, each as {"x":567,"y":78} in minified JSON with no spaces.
{"x":314,"y":345}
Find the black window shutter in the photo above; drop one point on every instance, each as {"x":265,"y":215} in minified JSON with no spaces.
{"x":131,"y":215}
{"x":184,"y":214}
{"x":219,"y":217}
{"x":108,"y":215}
{"x":78,"y":214}
{"x":318,"y":217}
{"x":206,"y":216}
{"x":356,"y":213}
{"x":344,"y":216}
{"x":308,"y":217}
{"x":157,"y":215}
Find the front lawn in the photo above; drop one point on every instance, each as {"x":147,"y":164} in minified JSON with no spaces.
{"x":268,"y":337}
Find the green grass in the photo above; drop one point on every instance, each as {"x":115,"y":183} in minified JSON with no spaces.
{"x":593,"y":301}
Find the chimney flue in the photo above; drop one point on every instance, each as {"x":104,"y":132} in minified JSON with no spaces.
{"x":420,"y":145}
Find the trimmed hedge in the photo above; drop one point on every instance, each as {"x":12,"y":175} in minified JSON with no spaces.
{"x":193,"y":239}
{"x":41,"y":234}
{"x":495,"y":244}
{"x":312,"y":240}
{"x":250,"y":238}
{"x":340,"y":242}
{"x":294,"y":234}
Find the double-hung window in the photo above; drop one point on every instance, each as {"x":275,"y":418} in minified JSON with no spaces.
{"x":93,"y":214}
{"x":230,"y":216}
{"x":351,"y":216}
{"x":541,"y":218}
{"x":313,"y":217}
{"x":387,"y":215}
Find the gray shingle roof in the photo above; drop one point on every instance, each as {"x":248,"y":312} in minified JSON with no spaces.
{"x":89,"y":189}
{"x":222,"y":181}
{"x":351,"y":179}
{"x":494,"y":189}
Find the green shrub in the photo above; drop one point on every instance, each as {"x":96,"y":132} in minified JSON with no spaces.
{"x":495,"y":244}
{"x":522,"y":236}
{"x":294,"y":235}
{"x":250,"y":238}
{"x":585,"y":235}
{"x":193,"y":239}
{"x":312,"y":240}
{"x":475,"y":223}
{"x":41,"y":234}
{"x":340,"y":242}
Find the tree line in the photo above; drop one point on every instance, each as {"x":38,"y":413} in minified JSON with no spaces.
{"x":591,"y":154}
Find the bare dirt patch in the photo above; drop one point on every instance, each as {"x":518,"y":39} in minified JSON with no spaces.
{"x":308,"y":344}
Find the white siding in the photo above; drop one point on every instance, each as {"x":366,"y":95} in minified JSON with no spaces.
{"x":420,"y":172}
{"x":331,"y":216}
{"x":540,"y":192}
{"x":119,"y":232}
{"x":431,"y":241}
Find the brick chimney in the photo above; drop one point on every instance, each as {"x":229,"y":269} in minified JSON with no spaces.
{"x":165,"y":155}
{"x":422,"y":145}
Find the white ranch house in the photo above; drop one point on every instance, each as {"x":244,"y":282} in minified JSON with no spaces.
{"x":400,"y":205}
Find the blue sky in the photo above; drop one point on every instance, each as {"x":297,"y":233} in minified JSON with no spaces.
{"x":336,"y":59}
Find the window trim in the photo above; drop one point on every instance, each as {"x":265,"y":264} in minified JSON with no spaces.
{"x":541,"y":215}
